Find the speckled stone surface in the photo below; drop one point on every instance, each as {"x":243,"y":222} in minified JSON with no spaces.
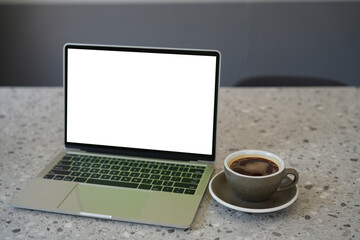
{"x":315,"y":130}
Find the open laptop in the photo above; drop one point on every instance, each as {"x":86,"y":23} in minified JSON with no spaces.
{"x":140,"y":133}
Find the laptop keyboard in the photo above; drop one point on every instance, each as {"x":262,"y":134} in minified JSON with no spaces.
{"x":145,"y":175}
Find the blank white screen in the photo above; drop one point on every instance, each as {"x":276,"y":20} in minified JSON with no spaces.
{"x":141,"y":100}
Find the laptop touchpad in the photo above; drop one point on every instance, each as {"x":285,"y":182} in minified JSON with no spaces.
{"x":115,"y":202}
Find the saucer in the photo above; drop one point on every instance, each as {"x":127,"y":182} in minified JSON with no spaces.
{"x":222,"y":193}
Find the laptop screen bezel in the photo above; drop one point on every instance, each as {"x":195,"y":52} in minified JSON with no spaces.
{"x":136,"y":152}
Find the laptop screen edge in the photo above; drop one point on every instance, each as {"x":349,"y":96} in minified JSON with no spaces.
{"x":136,"y":151}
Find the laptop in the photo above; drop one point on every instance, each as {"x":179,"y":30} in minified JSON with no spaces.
{"x":140,"y":134}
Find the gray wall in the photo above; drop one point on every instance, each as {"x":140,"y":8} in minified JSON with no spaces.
{"x":319,"y":39}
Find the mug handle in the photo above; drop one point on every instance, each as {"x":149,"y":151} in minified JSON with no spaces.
{"x":288,"y":185}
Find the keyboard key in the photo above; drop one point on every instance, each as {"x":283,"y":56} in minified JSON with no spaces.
{"x":178,"y":190}
{"x":190,"y":191}
{"x":133,"y":164}
{"x":155,"y":171}
{"x":176,"y":174}
{"x":80,"y":179}
{"x":96,"y":165}
{"x":114,"y":172}
{"x":186,"y":175}
{"x":145,"y":170}
{"x":75,"y":174}
{"x":153,"y":166}
{"x":115,"y":167}
{"x":135,"y":169}
{"x":134,"y":174}
{"x":190,"y":180}
{"x":95,"y":175}
{"x":75,"y":168}
{"x":85,"y":175}
{"x":143,"y":165}
{"x":194,"y":170}
{"x":185,"y":185}
{"x":163,"y":167}
{"x":84,"y":169}
{"x":49,"y":176}
{"x":176,"y":179}
{"x":137,"y":180}
{"x":63,"y":162}
{"x":144,"y":175}
{"x":61,"y":167}
{"x":105,"y":166}
{"x":76,"y":164}
{"x":183,"y":169}
{"x":168,"y":183}
{"x":165,"y":173}
{"x":145,"y":186}
{"x":147,"y":181}
{"x":168,"y":189}
{"x":165,"y":178}
{"x":104,"y":171}
{"x":68,"y":178}
{"x":115,"y":178}
{"x":124,"y":174}
{"x":195,"y":175}
{"x":155,"y":176}
{"x":86,"y":164}
{"x":126,"y":179}
{"x":156,"y":188}
{"x":105,"y":177}
{"x":113,"y":183}
{"x":60,"y":172}
{"x":157,"y":182}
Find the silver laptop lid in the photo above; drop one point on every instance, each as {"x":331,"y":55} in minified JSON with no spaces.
{"x":147,"y":102}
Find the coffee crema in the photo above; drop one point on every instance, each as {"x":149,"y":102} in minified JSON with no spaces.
{"x":254,"y":166}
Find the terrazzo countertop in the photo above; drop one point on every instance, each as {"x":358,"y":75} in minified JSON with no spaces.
{"x":315,"y":130}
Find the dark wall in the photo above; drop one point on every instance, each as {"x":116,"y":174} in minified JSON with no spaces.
{"x":313,"y":39}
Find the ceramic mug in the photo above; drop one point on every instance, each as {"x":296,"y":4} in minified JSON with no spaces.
{"x":258,"y":188}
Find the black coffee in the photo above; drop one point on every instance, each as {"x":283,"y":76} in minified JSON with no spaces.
{"x":254,"y":166}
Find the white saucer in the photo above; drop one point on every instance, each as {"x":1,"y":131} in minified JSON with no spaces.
{"x":222,"y":193}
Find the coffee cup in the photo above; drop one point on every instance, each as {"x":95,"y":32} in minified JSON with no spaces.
{"x":255,"y":175}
